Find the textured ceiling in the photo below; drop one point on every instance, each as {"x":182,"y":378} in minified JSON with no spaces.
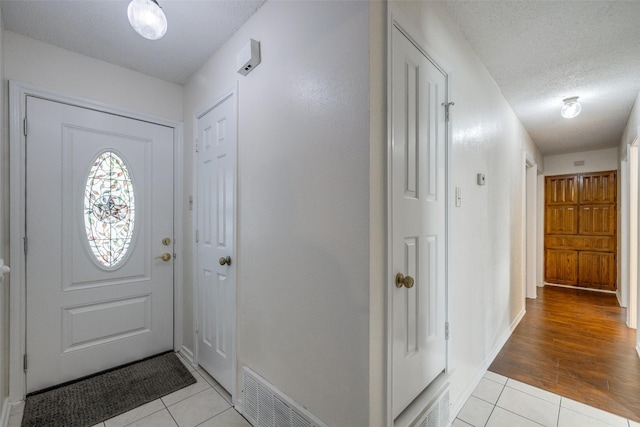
{"x":540,"y":52}
{"x":100,"y":29}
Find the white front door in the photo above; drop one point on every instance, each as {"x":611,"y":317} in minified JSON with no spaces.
{"x":418,"y":220}
{"x":99,"y":213}
{"x":216,"y":270}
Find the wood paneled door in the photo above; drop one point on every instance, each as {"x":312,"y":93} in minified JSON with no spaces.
{"x":580,"y":230}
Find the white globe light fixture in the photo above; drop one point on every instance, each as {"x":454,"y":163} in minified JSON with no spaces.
{"x":571,"y":107}
{"x":146,"y":17}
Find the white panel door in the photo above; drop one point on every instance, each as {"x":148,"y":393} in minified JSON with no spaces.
{"x":418,"y":221}
{"x":96,"y":302}
{"x":216,"y":157}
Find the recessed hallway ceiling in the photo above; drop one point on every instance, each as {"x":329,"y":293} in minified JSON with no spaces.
{"x":540,"y":52}
{"x":100,"y":29}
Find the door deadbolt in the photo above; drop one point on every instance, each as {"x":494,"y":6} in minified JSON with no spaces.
{"x":166,"y":241}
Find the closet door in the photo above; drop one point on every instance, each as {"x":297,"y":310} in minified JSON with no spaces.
{"x":580,"y":230}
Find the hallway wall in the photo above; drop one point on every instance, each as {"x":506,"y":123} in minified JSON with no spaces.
{"x":485,"y":282}
{"x":631,"y":132}
{"x":594,"y":161}
{"x":4,"y":229}
{"x":303,"y":202}
{"x":69,"y":73}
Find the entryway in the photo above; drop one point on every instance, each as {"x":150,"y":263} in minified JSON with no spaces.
{"x":93,"y":238}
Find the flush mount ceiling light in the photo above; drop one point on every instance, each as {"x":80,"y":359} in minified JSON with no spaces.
{"x":571,"y":107}
{"x":146,"y":17}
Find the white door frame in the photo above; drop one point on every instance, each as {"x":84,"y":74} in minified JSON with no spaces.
{"x":634,"y":240}
{"x":623,"y":236}
{"x":396,"y":18}
{"x":233,"y":92}
{"x":529,"y":221}
{"x":17,"y":303}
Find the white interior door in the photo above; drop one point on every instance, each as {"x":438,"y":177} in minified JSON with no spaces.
{"x":216,"y":158}
{"x":418,"y":219}
{"x":99,"y":203}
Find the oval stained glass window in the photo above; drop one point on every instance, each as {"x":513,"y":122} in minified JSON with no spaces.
{"x":109,"y":209}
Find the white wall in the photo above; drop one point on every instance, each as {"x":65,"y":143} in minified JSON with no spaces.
{"x":303,"y":201}
{"x":631,"y":132}
{"x":485,"y":286}
{"x":594,"y":161}
{"x":4,"y":228}
{"x":50,"y":67}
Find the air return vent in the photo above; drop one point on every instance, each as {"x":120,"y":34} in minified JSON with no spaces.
{"x":266,"y":406}
{"x":437,"y":414}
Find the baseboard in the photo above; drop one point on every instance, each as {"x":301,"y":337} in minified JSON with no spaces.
{"x":188,"y":354}
{"x":459,"y":403}
{"x":579,"y":287}
{"x":6,"y":412}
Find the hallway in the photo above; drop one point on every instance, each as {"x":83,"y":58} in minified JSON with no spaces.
{"x":575,"y":343}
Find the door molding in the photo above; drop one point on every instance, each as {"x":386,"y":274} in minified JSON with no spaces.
{"x":396,"y":18}
{"x":199,"y":113}
{"x":18,"y":93}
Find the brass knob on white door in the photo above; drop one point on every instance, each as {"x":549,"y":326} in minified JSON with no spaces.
{"x":225,"y":260}
{"x":165,"y":257}
{"x":402,"y":280}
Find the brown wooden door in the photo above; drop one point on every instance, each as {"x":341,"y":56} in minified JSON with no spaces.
{"x":580,"y":230}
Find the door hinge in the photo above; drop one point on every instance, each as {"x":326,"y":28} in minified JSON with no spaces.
{"x":446,"y":106}
{"x":446,"y":330}
{"x":24,"y":241}
{"x":197,"y":236}
{"x":196,"y":146}
{"x":24,"y":362}
{"x":24,"y":126}
{"x":197,"y":329}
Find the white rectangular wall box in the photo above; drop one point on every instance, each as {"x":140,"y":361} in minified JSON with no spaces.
{"x":248,"y":57}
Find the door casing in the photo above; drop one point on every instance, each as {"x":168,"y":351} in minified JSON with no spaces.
{"x":396,"y":18}
{"x":17,"y":304}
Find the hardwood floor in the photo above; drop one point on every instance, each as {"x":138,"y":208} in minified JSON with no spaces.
{"x":576,"y":344}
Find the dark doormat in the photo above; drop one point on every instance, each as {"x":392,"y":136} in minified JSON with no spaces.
{"x":90,"y":400}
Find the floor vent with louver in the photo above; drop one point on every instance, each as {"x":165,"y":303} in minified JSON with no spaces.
{"x":437,"y":415}
{"x":266,"y":406}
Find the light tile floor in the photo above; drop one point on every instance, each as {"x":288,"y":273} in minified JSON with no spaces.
{"x":499,"y":401}
{"x":204,"y":404}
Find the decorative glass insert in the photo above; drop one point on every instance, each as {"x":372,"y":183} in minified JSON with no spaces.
{"x":109,"y":209}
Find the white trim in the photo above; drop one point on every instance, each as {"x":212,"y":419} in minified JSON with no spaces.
{"x":17,"y":303}
{"x":623,"y":235}
{"x":6,"y":412}
{"x":529,"y":226}
{"x":396,"y":18}
{"x":199,"y":113}
{"x":581,"y":288}
{"x":459,"y":403}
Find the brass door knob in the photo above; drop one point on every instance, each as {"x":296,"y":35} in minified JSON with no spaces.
{"x":225,"y":260}
{"x":402,"y":280}
{"x":165,"y":257}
